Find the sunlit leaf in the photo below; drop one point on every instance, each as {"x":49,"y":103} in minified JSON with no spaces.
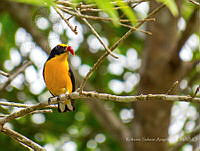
{"x":108,"y":7}
{"x":37,"y":2}
{"x":126,"y":10}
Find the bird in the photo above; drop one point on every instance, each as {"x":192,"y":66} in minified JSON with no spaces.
{"x":58,"y":76}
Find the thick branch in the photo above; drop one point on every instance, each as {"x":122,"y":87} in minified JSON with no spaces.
{"x":102,"y":96}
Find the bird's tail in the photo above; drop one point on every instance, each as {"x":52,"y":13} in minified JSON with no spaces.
{"x":67,"y":105}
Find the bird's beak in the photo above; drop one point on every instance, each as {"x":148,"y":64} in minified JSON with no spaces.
{"x":71,"y":50}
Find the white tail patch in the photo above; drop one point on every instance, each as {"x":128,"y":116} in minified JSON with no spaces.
{"x":62,"y":107}
{"x":69,"y":105}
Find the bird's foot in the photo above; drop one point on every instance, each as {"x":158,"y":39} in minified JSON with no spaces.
{"x":49,"y":100}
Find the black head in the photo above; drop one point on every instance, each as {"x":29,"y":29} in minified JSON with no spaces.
{"x":60,"y":49}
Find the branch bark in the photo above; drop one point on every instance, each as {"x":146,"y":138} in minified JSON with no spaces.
{"x":22,"y":139}
{"x":102,"y":96}
{"x":15,"y":74}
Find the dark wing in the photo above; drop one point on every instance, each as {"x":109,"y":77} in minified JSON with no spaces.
{"x":72,"y":79}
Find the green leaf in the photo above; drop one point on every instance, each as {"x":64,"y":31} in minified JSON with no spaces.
{"x":127,"y":11}
{"x":108,"y":7}
{"x":37,"y":2}
{"x":171,"y":5}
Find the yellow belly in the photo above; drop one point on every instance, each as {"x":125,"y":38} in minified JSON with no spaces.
{"x":56,"y":75}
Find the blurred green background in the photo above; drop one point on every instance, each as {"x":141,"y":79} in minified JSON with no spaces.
{"x":29,"y":32}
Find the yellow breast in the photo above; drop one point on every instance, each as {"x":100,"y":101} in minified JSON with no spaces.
{"x":56,"y":75}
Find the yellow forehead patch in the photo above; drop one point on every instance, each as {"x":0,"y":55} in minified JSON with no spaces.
{"x":63,"y":45}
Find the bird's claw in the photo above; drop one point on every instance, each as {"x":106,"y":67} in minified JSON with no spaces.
{"x":49,"y":100}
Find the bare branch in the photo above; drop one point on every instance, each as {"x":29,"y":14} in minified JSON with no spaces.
{"x":127,"y":99}
{"x":74,"y":29}
{"x":64,"y":9}
{"x":21,"y":105}
{"x":23,"y":112}
{"x":34,"y":112}
{"x":98,"y":37}
{"x":194,"y":2}
{"x":143,"y":31}
{"x":42,"y":111}
{"x":172,"y":89}
{"x":22,"y":139}
{"x":85,"y":6}
{"x":4,"y":74}
{"x":13,"y":104}
{"x":102,"y":96}
{"x":15,"y":74}
{"x":197,"y":90}
{"x":115,"y":45}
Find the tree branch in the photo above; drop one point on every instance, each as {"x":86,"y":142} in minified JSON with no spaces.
{"x":15,"y":74}
{"x":102,"y":96}
{"x":64,"y":9}
{"x":194,"y":2}
{"x":21,"y":105}
{"x":4,"y":74}
{"x":34,"y":112}
{"x":22,"y":139}
{"x":114,"y":46}
{"x":98,"y":37}
{"x":116,"y":127}
{"x":74,"y":29}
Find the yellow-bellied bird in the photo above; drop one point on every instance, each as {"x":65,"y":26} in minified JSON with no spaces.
{"x":58,"y":75}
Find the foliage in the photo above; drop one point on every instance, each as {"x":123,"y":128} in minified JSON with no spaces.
{"x":82,"y":126}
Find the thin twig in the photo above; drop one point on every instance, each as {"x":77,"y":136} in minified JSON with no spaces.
{"x":34,"y":112}
{"x":82,"y":6}
{"x":194,"y":2}
{"x":143,"y":31}
{"x":74,"y":29}
{"x":21,"y":105}
{"x":197,"y":90}
{"x":98,"y":37}
{"x":41,"y":111}
{"x":70,"y":17}
{"x":20,"y":138}
{"x":172,"y":89}
{"x":115,"y":45}
{"x":23,"y":112}
{"x":97,"y":17}
{"x":4,"y":74}
{"x":15,"y":74}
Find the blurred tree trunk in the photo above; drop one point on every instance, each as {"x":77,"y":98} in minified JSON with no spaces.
{"x":157,"y":75}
